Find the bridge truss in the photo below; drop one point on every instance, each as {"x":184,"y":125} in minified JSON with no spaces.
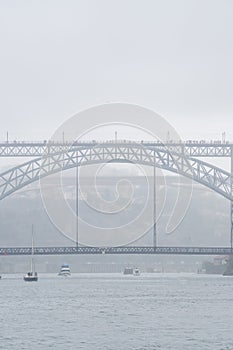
{"x":39,"y":149}
{"x":117,"y":250}
{"x":206,"y":174}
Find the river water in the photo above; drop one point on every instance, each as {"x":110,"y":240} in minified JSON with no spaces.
{"x":116,"y":312}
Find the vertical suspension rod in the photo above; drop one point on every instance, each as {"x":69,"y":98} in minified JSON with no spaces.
{"x":154,"y":205}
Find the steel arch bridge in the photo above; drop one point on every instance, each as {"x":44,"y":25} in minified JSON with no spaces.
{"x":206,"y":174}
{"x":175,"y":158}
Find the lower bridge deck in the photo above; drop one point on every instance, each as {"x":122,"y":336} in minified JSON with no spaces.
{"x":116,"y":250}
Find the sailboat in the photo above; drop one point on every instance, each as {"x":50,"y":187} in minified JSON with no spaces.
{"x":31,"y":276}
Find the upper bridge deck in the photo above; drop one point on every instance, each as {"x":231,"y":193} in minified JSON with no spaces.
{"x":190,"y":148}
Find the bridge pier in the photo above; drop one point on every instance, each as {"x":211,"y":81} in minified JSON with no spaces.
{"x":231,"y":203}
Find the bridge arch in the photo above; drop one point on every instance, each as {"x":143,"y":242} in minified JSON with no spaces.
{"x":204,"y":173}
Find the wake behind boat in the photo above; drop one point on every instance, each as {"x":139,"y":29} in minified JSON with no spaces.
{"x":64,"y":270}
{"x":31,"y":276}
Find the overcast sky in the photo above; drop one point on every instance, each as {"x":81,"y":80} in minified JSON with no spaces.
{"x":59,"y":57}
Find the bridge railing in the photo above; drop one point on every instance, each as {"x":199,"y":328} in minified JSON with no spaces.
{"x":74,"y":142}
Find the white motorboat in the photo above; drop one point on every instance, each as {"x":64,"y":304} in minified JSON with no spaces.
{"x":64,"y":270}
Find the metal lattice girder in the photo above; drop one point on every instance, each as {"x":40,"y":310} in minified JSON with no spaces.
{"x":39,"y":149}
{"x":206,"y":174}
{"x":30,"y":149}
{"x":117,"y":250}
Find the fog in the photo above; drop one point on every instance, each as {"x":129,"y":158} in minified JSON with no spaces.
{"x":112,"y":72}
{"x":174,"y":57}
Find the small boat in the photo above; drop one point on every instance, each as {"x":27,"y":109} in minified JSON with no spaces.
{"x":227,"y":273}
{"x":31,"y":276}
{"x":136,"y":272}
{"x":64,"y":270}
{"x":128,"y":271}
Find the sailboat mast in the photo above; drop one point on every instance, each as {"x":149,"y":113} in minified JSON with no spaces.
{"x":32,"y":258}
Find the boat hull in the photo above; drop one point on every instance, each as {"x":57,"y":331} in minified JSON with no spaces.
{"x":30,"y":278}
{"x":64,"y":274}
